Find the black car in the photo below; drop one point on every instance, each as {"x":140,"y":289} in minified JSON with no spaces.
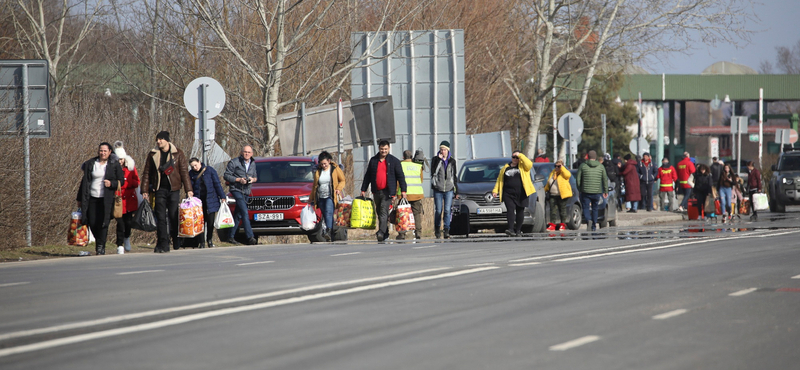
{"x":784,"y":186}
{"x":476,"y":181}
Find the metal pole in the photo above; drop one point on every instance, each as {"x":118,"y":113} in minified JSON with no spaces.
{"x":603,"y":118}
{"x":638,"y":149}
{"x":303,"y":124}
{"x":27,"y":147}
{"x":372,"y":118}
{"x":413,"y":91}
{"x":340,"y":128}
{"x":760,"y":127}
{"x":739,"y":143}
{"x":733,"y":117}
{"x":203,"y":121}
{"x":555,"y":128}
{"x":660,"y":133}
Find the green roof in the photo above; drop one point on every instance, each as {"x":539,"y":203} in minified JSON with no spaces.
{"x":707,"y":87}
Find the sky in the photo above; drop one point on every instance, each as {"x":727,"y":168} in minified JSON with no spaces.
{"x":779,"y":26}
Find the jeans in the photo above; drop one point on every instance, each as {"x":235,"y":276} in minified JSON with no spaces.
{"x":241,"y":215}
{"x":687,"y":193}
{"x":382,"y":202}
{"x":326,"y":206}
{"x":725,"y":194}
{"x":440,"y":197}
{"x":167,"y":218}
{"x":590,"y":204}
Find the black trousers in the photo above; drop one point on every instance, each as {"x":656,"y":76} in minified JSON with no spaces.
{"x":514,"y":214}
{"x":167,"y":219}
{"x":98,"y":221}
{"x":382,"y":202}
{"x":647,"y":195}
{"x":209,"y":219}
{"x":124,"y":227}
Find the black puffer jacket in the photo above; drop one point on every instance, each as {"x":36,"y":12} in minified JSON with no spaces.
{"x":702,"y":184}
{"x":114,"y":173}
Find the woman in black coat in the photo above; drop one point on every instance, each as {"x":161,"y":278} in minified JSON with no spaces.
{"x":205,"y":182}
{"x":702,"y":185}
{"x":102,"y":176}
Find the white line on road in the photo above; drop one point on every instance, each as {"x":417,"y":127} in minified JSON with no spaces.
{"x":137,"y":272}
{"x":425,"y":247}
{"x":574,"y":343}
{"x":253,"y":263}
{"x":481,"y":264}
{"x":667,"y":315}
{"x":524,"y":264}
{"x":743,"y":292}
{"x":14,"y":284}
{"x":796,"y":277}
{"x":225,"y":311}
{"x":585,"y":252}
{"x":345,"y":254}
{"x":172,"y":310}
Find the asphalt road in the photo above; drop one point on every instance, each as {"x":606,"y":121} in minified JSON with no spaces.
{"x":681,"y":296}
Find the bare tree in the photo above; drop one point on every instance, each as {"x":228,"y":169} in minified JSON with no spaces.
{"x":566,"y":41}
{"x":787,"y":60}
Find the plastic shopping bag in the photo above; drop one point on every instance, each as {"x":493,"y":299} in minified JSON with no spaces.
{"x":224,"y":219}
{"x":362,"y":214}
{"x":405,"y":217}
{"x":144,"y":219}
{"x":760,"y":202}
{"x":78,"y":234}
{"x":343,"y":211}
{"x":308,"y":218}
{"x":190,"y":218}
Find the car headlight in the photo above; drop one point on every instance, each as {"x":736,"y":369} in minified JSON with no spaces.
{"x":304,"y":198}
{"x":788,"y":181}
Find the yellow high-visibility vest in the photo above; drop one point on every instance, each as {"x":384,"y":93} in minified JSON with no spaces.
{"x":412,"y":172}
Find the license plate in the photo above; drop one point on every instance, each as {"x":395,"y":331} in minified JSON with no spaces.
{"x":489,"y":211}
{"x":269,"y":216}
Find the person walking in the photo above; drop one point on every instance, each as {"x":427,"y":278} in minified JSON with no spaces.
{"x":329,"y":181}
{"x":753,"y":186}
{"x":102,"y":175}
{"x":165,"y":172}
{"x":630,"y":174}
{"x":647,"y":177}
{"x":205,"y":180}
{"x":685,"y":170}
{"x":702,"y":186}
{"x":592,"y":182}
{"x":727,"y":180}
{"x":444,"y":182}
{"x":716,"y":171}
{"x":616,"y":163}
{"x":560,"y":191}
{"x":384,"y":172}
{"x":667,"y":175}
{"x":130,"y":203}
{"x":413,"y":174}
{"x":240,"y":173}
{"x":514,"y":187}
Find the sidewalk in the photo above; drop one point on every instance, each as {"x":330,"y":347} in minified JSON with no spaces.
{"x":647,"y":218}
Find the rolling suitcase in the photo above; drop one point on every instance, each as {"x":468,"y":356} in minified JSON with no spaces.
{"x":459,"y":223}
{"x":692,"y":209}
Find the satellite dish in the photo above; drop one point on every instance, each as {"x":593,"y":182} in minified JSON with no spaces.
{"x":715,"y":103}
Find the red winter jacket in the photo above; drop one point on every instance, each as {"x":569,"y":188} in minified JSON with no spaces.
{"x":667,"y":176}
{"x":685,"y":169}
{"x":129,"y":201}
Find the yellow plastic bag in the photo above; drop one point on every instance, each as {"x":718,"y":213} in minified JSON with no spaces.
{"x":362,"y":214}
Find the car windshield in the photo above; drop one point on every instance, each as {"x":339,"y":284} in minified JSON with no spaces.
{"x":480,"y":172}
{"x":544,"y":169}
{"x":275,"y":172}
{"x":789,"y":163}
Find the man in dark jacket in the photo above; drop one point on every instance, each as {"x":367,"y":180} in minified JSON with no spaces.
{"x":165,"y":171}
{"x":240,"y":173}
{"x":592,"y":182}
{"x":647,"y":177}
{"x":384,"y":172}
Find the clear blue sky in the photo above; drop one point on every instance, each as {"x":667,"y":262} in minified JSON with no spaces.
{"x":779,"y":25}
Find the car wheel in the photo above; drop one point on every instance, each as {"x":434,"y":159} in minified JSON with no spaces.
{"x":538,"y":219}
{"x":575,"y":216}
{"x":780,"y":207}
{"x":315,"y":236}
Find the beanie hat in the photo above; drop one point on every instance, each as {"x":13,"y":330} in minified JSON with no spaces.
{"x":119,"y":150}
{"x":445,"y":144}
{"x":163,"y":135}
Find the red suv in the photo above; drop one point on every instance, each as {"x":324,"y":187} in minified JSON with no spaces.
{"x":276,"y":199}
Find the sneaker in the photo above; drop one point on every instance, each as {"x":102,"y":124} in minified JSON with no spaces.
{"x":594,"y":227}
{"x":379,"y":236}
{"x":680,"y":209}
{"x":551,"y":227}
{"x":401,"y":236}
{"x":120,"y":250}
{"x":562,"y":226}
{"x":510,"y":233}
{"x":127,"y":244}
{"x":417,"y":234}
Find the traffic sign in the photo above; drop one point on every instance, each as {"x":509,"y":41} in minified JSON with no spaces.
{"x":792,"y":136}
{"x":215,"y":96}
{"x":739,"y":124}
{"x":643,"y":146}
{"x":714,"y":144}
{"x":570,"y":126}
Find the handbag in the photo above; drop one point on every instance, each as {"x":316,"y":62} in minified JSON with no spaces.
{"x":710,"y":206}
{"x":118,"y":201}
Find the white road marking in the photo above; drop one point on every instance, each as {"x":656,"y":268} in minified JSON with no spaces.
{"x":137,"y":272}
{"x":14,"y":284}
{"x":345,"y":254}
{"x":163,"y":311}
{"x":796,"y":277}
{"x":574,"y":343}
{"x":253,"y":263}
{"x":524,"y":264}
{"x":584,"y":252}
{"x":225,"y":311}
{"x":667,"y":315}
{"x":425,"y":247}
{"x":481,"y":264}
{"x":743,"y":292}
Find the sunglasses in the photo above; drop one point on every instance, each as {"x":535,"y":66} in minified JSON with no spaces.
{"x":515,"y":157}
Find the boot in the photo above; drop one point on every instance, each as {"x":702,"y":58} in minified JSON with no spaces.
{"x":327,"y":235}
{"x":100,"y":250}
{"x":418,"y":234}
{"x":127,"y":244}
{"x":447,"y":233}
{"x":437,"y":233}
{"x":551,"y":227}
{"x":401,"y":236}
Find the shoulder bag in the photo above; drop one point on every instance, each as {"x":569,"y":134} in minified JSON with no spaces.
{"x":118,"y":201}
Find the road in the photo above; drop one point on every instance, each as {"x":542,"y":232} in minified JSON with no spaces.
{"x":681,"y":296}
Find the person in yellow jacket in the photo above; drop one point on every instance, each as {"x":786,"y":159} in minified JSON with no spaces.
{"x":414,"y":193}
{"x":329,"y":181}
{"x":514,"y":186}
{"x":560,"y":190}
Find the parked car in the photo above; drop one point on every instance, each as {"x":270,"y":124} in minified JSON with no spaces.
{"x":476,"y":181}
{"x":282,"y":190}
{"x":784,"y":186}
{"x":605,"y":216}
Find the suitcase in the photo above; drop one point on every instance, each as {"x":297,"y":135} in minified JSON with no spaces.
{"x":692,"y":209}
{"x":459,"y":223}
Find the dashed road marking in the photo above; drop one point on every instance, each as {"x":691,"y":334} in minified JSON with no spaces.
{"x":742,"y":292}
{"x":524,"y":264}
{"x":425,"y":247}
{"x":14,"y":284}
{"x":667,"y":315}
{"x":574,"y":343}
{"x":253,"y":263}
{"x":796,"y":277}
{"x":138,"y":272}
{"x":345,"y":254}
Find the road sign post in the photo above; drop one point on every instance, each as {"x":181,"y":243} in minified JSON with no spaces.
{"x":570,"y":127}
{"x":204,"y":98}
